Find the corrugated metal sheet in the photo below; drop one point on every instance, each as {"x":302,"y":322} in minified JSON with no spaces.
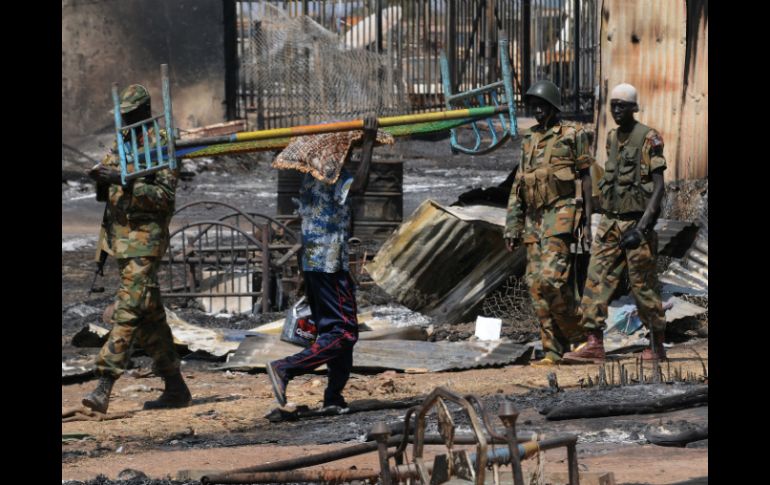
{"x":442,"y":261}
{"x":646,"y":44}
{"x":674,"y":237}
{"x":693,"y":270}
{"x":257,"y":350}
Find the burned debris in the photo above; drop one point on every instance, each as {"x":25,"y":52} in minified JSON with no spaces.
{"x":427,"y":341}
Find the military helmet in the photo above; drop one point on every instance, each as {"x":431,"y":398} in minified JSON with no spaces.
{"x":547,"y":91}
{"x":133,"y":97}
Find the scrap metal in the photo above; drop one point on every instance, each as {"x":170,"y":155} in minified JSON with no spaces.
{"x":458,"y":464}
{"x":444,"y":261}
{"x":693,"y":271}
{"x":257,"y":350}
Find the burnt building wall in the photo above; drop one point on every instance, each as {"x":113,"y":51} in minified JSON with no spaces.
{"x":126,"y":41}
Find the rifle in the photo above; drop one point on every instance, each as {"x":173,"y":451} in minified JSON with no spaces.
{"x":101,"y":257}
{"x":99,"y":272}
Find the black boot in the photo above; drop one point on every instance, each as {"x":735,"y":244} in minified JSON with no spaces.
{"x":99,"y":399}
{"x":175,"y":395}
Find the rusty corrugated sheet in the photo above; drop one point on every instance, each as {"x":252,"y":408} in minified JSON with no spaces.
{"x":693,"y":156}
{"x":647,"y":44}
{"x":257,"y":350}
{"x":443,"y":261}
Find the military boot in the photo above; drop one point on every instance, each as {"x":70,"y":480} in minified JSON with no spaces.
{"x":99,"y":398}
{"x":591,"y":352}
{"x":175,"y":395}
{"x":655,"y":352}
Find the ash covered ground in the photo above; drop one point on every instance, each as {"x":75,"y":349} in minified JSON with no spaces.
{"x":223,"y":416}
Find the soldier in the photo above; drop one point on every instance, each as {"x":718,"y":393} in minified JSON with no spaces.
{"x":545,"y":212}
{"x":631,"y":193}
{"x":325,"y":211}
{"x":135,"y":232}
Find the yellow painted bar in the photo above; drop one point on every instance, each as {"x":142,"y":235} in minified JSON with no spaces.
{"x":359,"y":124}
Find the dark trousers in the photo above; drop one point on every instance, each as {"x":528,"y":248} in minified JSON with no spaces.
{"x":332,"y":301}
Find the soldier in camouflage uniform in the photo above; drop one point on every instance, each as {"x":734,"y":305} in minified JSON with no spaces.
{"x":545,"y":212}
{"x":135,"y":232}
{"x":632,"y":190}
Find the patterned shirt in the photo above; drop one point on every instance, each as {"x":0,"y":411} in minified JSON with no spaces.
{"x":325,"y":212}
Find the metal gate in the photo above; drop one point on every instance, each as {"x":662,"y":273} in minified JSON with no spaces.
{"x":409,"y":36}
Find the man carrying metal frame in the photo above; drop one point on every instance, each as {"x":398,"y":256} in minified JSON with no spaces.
{"x":325,"y":211}
{"x":135,"y":231}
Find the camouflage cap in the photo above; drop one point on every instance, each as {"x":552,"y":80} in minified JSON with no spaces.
{"x":133,"y":97}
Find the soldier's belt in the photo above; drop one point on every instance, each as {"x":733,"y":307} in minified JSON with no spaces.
{"x":630,"y":216}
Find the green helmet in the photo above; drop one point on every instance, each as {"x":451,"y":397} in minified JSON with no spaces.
{"x":133,"y":97}
{"x":547,"y":91}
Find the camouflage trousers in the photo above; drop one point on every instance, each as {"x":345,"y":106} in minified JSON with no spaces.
{"x":605,"y":269}
{"x":139,"y":319}
{"x":553,"y":295}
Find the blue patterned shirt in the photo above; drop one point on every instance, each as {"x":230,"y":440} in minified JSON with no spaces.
{"x":325,"y":212}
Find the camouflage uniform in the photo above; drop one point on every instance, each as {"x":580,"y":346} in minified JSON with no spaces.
{"x":624,"y":199}
{"x":542,"y":210}
{"x":135,"y":232}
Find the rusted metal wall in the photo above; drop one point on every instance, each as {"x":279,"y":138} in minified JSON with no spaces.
{"x":659,"y":46}
{"x":692,"y":160}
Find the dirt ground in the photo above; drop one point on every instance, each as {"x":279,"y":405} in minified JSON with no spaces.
{"x":226,"y":428}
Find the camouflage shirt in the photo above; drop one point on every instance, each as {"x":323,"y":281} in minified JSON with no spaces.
{"x":571,"y":145}
{"x":325,"y":212}
{"x":138,"y":214}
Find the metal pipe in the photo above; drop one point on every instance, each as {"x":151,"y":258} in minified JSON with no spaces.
{"x":295,"y":476}
{"x":265,"y":268}
{"x":398,"y":473}
{"x":381,"y":434}
{"x":574,"y":472}
{"x":526,"y":62}
{"x":576,"y":50}
{"x":509,"y":415}
{"x":231,"y":20}
{"x":454,"y":114}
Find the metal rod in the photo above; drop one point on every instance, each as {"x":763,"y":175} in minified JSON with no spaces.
{"x":509,"y":415}
{"x":143,"y":122}
{"x":296,"y":476}
{"x":576,"y":53}
{"x":455,"y":114}
{"x":526,"y":19}
{"x":265,"y":268}
{"x":168,"y":114}
{"x":381,"y":434}
{"x":231,"y":58}
{"x":572,"y":463}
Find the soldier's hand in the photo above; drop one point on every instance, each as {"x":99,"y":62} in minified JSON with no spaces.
{"x":371,"y":124}
{"x":104,"y":175}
